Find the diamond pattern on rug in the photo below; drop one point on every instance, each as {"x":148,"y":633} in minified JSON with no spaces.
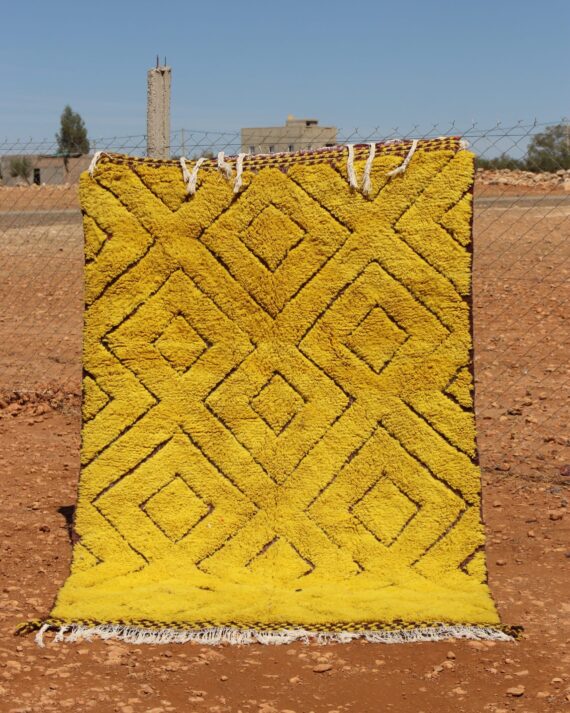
{"x":278,"y":412}
{"x":376,"y":339}
{"x":271,"y":235}
{"x":180,"y":344}
{"x":176,"y":509}
{"x":277,"y":403}
{"x":385,"y":510}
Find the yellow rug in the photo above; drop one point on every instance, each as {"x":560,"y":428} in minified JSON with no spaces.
{"x":278,"y":434}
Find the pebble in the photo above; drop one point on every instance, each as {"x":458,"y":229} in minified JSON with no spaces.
{"x":516,"y":691}
{"x":322,"y":668}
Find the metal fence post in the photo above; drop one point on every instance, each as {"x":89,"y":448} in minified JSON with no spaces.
{"x":158,"y":112}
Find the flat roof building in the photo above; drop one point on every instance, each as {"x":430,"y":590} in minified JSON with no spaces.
{"x":43,"y":169}
{"x":296,"y":135}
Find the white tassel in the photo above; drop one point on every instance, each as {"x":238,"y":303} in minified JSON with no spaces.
{"x":226,"y":634}
{"x":191,"y":177}
{"x":437,"y":633}
{"x":239,"y":172}
{"x":406,"y":161}
{"x":350,"y":167}
{"x":194,"y":176}
{"x":96,"y":156}
{"x":60,"y":636}
{"x":40,"y":635}
{"x":185,"y":172}
{"x":366,"y":182}
{"x":224,"y":166}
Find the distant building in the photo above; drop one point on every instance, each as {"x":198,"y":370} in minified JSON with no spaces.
{"x":296,"y":135}
{"x":45,"y":169}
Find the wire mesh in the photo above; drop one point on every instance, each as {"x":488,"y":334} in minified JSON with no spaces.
{"x":520,"y":277}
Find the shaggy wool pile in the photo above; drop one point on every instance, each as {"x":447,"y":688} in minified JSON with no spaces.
{"x":278,"y":433}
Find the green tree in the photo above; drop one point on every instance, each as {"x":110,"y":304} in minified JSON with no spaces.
{"x":72,"y":136}
{"x":550,"y":149}
{"x":21,"y":167}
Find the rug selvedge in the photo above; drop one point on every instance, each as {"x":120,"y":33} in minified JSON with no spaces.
{"x":278,"y":414}
{"x":143,"y":631}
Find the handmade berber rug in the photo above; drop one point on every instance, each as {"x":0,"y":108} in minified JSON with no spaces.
{"x":278,"y":434}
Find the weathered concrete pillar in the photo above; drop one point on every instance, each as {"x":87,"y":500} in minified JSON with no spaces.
{"x":158,"y":112}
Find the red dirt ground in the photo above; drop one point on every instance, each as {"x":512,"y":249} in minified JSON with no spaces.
{"x":521,"y":295}
{"x":528,"y":525}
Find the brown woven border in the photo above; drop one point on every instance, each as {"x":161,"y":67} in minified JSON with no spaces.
{"x":54,"y":623}
{"x":285,"y":159}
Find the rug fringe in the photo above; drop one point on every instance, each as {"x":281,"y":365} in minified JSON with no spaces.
{"x":222,"y":634}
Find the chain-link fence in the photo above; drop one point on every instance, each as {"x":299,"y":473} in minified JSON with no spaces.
{"x":521,"y":263}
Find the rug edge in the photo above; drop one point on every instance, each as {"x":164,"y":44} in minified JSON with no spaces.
{"x":73,"y":632}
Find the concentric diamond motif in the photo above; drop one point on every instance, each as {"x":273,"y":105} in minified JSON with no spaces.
{"x":376,"y":339}
{"x":277,"y":403}
{"x":285,"y":235}
{"x":385,"y":510}
{"x":180,"y":344}
{"x":176,"y":509}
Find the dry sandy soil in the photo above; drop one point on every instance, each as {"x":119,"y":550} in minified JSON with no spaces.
{"x":40,"y":197}
{"x":521,"y":298}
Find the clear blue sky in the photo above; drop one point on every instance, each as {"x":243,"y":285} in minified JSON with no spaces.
{"x":238,"y":63}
